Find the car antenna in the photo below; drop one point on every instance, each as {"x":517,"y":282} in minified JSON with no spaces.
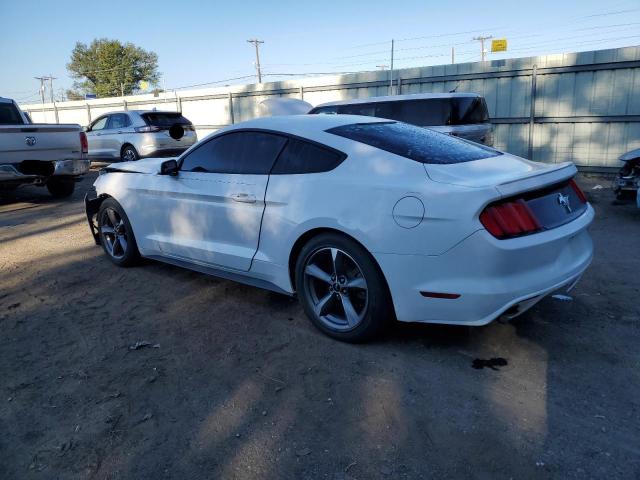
{"x":455,"y":88}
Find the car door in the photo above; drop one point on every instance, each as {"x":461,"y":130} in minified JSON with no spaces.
{"x":95,"y":132}
{"x":211,"y":212}
{"x":113,"y":137}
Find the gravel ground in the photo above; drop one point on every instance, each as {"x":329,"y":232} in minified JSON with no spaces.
{"x":236,"y":383}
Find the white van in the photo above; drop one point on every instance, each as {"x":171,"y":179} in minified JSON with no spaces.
{"x":461,"y":114}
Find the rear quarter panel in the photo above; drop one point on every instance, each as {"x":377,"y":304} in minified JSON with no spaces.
{"x":358,"y":199}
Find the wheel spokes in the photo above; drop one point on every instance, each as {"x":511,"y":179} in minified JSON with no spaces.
{"x":316,"y":272}
{"x":351,"y":315}
{"x":336,"y":288}
{"x":357,"y":282}
{"x":122,"y":240}
{"x":112,"y":217}
{"x":320,"y":307}
{"x":106,"y":229}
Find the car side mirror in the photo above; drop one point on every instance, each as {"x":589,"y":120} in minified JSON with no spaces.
{"x":169,"y":167}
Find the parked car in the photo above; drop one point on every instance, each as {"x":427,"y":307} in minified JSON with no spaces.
{"x":135,"y":134}
{"x":51,"y":155}
{"x":627,"y":182}
{"x":460,"y":114}
{"x":365,"y":219}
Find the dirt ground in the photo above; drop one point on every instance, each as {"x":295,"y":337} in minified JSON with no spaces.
{"x":236,"y":383}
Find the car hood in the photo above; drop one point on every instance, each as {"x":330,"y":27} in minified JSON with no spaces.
{"x":498,"y":171}
{"x":147,"y":165}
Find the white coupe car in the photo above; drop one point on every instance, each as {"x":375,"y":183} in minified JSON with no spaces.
{"x":366,"y":220}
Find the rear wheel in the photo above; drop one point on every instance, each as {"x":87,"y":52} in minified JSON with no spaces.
{"x":61,"y":187}
{"x":341,"y":288}
{"x":116,"y":235}
{"x":129,"y":154}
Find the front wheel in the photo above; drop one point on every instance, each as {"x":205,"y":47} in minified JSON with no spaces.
{"x":342,"y":289}
{"x":116,"y":235}
{"x":61,"y":187}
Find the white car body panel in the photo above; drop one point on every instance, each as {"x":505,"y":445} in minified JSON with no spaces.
{"x":194,"y":219}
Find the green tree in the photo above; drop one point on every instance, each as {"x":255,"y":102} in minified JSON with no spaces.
{"x":109,"y":67}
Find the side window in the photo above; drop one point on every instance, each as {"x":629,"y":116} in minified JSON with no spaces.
{"x":118,"y":120}
{"x":99,"y":124}
{"x":366,"y":109}
{"x":331,"y":110}
{"x":239,"y":152}
{"x":304,"y":157}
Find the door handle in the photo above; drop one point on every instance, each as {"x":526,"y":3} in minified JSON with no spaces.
{"x":243,"y":198}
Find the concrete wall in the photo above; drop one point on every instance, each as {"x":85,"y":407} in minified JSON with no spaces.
{"x":586,"y":105}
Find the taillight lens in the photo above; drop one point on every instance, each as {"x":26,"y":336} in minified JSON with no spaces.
{"x":578,"y":190}
{"x":147,"y":129}
{"x":84,"y":144}
{"x":509,"y":219}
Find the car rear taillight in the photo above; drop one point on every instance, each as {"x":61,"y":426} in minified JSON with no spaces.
{"x":147,"y":129}
{"x":84,"y":144}
{"x":578,"y":190}
{"x":509,"y":219}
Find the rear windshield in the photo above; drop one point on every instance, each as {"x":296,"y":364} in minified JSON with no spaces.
{"x":427,"y":112}
{"x":9,"y":115}
{"x":164,"y":119}
{"x":419,"y":144}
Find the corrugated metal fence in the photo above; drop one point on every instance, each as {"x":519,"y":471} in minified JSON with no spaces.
{"x":583,"y":107}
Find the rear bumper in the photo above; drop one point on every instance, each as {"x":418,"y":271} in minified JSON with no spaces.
{"x":71,"y":167}
{"x":12,"y":172}
{"x":491,"y":276}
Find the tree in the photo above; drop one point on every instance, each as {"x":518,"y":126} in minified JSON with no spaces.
{"x":109,"y":68}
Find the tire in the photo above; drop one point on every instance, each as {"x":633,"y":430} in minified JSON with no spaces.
{"x":61,"y":187}
{"x":129,"y":154}
{"x":116,"y":235}
{"x":331,"y":262}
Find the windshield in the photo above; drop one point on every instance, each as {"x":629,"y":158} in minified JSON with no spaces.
{"x":419,"y":144}
{"x":9,"y":115}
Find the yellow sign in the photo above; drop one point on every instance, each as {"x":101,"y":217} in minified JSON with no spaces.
{"x":499,"y":45}
{"x":143,"y":84}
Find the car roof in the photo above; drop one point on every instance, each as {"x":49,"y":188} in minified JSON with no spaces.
{"x":303,"y":125}
{"x":140,"y":112}
{"x":396,"y":98}
{"x":5,"y":100}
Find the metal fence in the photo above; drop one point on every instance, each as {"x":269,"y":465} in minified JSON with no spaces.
{"x":583,"y":107}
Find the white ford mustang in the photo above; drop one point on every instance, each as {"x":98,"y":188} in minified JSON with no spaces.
{"x":365,"y":219}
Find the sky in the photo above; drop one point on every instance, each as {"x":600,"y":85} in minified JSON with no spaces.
{"x":206,"y":42}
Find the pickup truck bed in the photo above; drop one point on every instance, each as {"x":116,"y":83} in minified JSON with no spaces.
{"x":40,"y":154}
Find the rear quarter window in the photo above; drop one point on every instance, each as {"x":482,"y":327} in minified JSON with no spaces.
{"x":304,"y":157}
{"x":164,"y":119}
{"x":419,"y":144}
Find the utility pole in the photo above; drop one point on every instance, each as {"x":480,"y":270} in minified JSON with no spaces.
{"x":481,"y":39}
{"x":453,"y":55}
{"x":42,"y":88}
{"x":256,"y":43}
{"x":391,"y":70}
{"x":51,"y":79}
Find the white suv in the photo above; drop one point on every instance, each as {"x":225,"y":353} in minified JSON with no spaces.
{"x":138,"y":134}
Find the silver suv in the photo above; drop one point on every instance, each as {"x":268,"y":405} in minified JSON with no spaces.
{"x":460,"y":114}
{"x":138,"y":134}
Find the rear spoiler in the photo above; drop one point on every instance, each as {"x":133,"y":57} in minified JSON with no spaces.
{"x":561,"y":172}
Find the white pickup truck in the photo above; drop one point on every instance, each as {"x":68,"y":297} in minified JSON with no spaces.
{"x":51,"y":155}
